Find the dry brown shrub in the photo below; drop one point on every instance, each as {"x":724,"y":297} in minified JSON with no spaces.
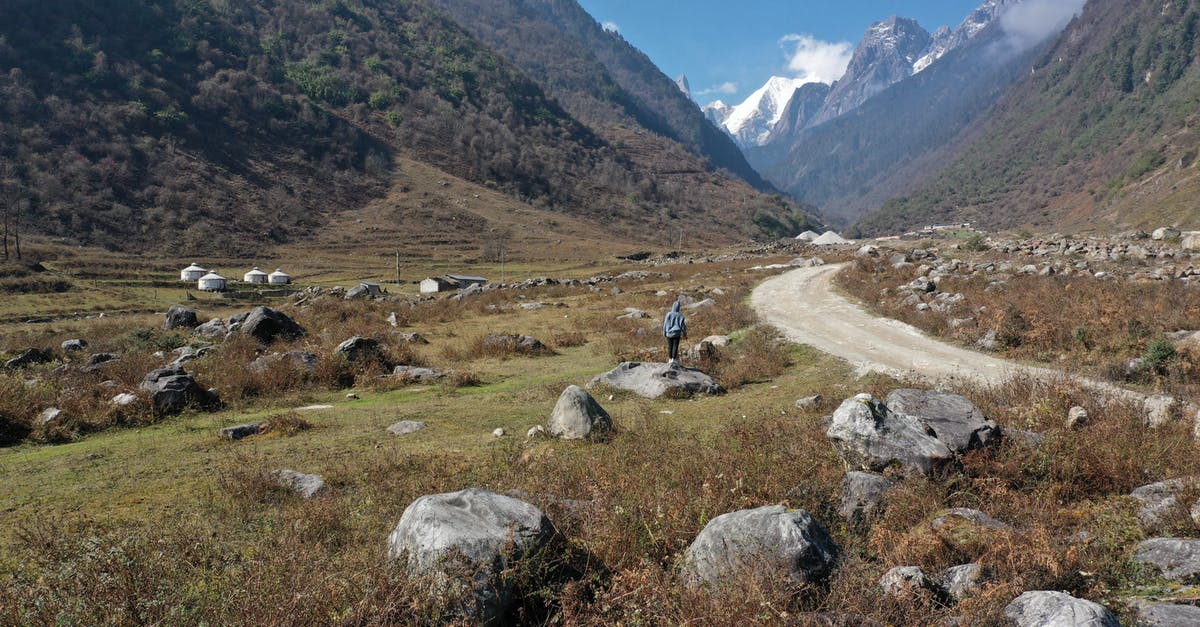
{"x":569,"y":339}
{"x":757,"y":357}
{"x":288,"y":424}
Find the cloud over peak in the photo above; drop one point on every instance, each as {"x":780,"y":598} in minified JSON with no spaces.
{"x":814,"y":60}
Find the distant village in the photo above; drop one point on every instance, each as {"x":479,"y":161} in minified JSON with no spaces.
{"x":210,"y":281}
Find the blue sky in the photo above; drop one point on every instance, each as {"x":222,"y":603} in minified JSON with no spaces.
{"x":729,"y":48}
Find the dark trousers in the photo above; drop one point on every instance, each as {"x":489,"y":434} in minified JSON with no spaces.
{"x":673,"y":348}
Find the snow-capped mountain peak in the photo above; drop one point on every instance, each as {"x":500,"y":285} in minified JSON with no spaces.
{"x":750,"y":122}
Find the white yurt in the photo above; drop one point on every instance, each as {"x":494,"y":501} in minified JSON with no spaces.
{"x":255,"y":276}
{"x":212,"y":282}
{"x":192,"y":273}
{"x":279,"y":277}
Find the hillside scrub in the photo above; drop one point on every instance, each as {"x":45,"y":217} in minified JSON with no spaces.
{"x":1081,"y":323}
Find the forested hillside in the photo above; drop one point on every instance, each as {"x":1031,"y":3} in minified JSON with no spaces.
{"x":1102,"y":133}
{"x":598,"y":77}
{"x":227,"y":125}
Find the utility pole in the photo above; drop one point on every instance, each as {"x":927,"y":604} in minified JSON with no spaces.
{"x":397,"y":268}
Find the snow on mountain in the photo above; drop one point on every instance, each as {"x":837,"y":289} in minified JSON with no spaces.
{"x":945,"y":40}
{"x":750,"y":123}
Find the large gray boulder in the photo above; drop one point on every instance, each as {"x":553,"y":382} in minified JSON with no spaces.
{"x":870,"y":436}
{"x":769,"y":540}
{"x":948,"y":417}
{"x":577,"y":416}
{"x":172,"y":389}
{"x":1177,"y":559}
{"x":74,"y":345}
{"x":957,"y":582}
{"x":654,"y":380}
{"x":267,"y":325}
{"x":213,"y":329}
{"x":907,"y":581}
{"x":1057,"y":609}
{"x":476,"y":533}
{"x":509,"y":342}
{"x":863,"y":493}
{"x":179,"y":317}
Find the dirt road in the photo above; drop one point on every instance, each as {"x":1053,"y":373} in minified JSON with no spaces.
{"x":804,"y":306}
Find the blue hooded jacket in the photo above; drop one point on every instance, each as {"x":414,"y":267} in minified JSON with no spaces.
{"x":674,"y":325}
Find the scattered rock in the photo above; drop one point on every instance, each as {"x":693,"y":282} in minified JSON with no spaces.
{"x":535,"y":431}
{"x":405,"y":427}
{"x":29,"y":357}
{"x":74,"y":346}
{"x":989,"y":341}
{"x":1167,"y":615}
{"x":361,"y":349}
{"x":393,"y":320}
{"x":1165,"y":233}
{"x":213,"y":329}
{"x":809,"y":402}
{"x":1160,"y":500}
{"x":967,"y":530}
{"x":49,"y":416}
{"x":522,"y":344}
{"x":764,"y":540}
{"x":477,"y":532}
{"x":352,"y":396}
{"x":950,"y":418}
{"x":267,"y":325}
{"x":719,"y":341}
{"x":412,"y":338}
{"x":237,"y":432}
{"x":417,"y":374}
{"x":577,"y":416}
{"x":124,"y":399}
{"x":655,"y":380}
{"x":869,"y":436}
{"x":907,"y":581}
{"x":707,"y":302}
{"x":1160,"y":410}
{"x":1076,"y":417}
{"x":180,"y":318}
{"x":298,"y":359}
{"x":499,"y":432}
{"x":303,"y":485}
{"x":1177,"y":559}
{"x":1052,"y":609}
{"x":957,"y":582}
{"x":632,"y":313}
{"x":172,"y":390}
{"x":863,"y":493}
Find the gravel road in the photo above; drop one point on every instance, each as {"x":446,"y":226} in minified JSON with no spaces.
{"x":803,"y":304}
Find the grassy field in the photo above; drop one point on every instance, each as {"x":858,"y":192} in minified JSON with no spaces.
{"x":128,"y":519}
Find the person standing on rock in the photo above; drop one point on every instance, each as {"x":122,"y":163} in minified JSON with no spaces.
{"x":674,"y":329}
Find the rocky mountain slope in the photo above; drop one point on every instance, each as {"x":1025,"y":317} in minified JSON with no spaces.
{"x":227,"y":127}
{"x":1098,"y":134}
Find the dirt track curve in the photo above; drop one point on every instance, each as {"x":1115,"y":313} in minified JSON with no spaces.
{"x":803,"y":304}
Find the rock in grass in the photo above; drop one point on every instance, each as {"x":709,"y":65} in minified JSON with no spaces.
{"x":172,"y":390}
{"x":863,"y":493}
{"x":577,"y":416}
{"x":124,"y":399}
{"x":213,"y":329}
{"x":417,"y":374}
{"x":1159,"y":500}
{"x":871,"y":437}
{"x":405,"y":427}
{"x":904,"y":582}
{"x":180,"y":318}
{"x":74,"y":345}
{"x":951,"y":418}
{"x":967,"y":530}
{"x":1167,"y":615}
{"x":1057,"y":609}
{"x":1076,"y":417}
{"x":237,"y":432}
{"x":305,"y":486}
{"x":768,"y":540}
{"x":267,"y":325}
{"x":1177,"y":559}
{"x":957,"y":582}
{"x":29,"y":357}
{"x":655,"y":380}
{"x":466,"y":543}
{"x":361,"y":349}
{"x":809,"y":402}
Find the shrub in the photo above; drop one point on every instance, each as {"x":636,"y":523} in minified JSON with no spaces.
{"x":1160,"y":353}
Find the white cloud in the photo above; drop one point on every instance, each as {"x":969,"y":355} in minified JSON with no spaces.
{"x":611,"y":26}
{"x":723,"y":88}
{"x":1030,"y":23}
{"x":814,"y":60}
